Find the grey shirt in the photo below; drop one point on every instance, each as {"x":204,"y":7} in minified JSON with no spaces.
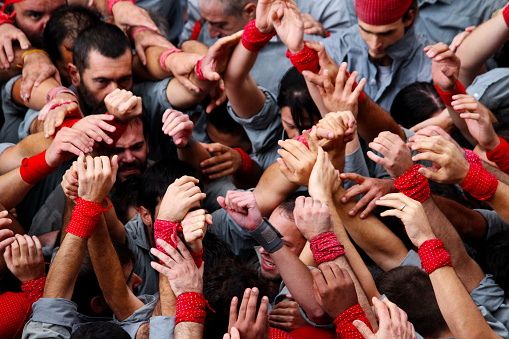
{"x":51,"y":318}
{"x":13,"y":113}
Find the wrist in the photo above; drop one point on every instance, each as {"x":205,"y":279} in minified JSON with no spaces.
{"x":326,"y":247}
{"x":267,"y":236}
{"x":447,"y":94}
{"x":433,"y":255}
{"x":253,"y":39}
{"x":32,"y":54}
{"x":112,"y":3}
{"x":36,"y":168}
{"x":298,"y":48}
{"x":191,"y":308}
{"x":85,"y":217}
{"x":165,"y":60}
{"x":490,"y":147}
{"x":305,"y":60}
{"x":413,"y":184}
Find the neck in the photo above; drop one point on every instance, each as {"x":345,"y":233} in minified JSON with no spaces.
{"x":383,"y":61}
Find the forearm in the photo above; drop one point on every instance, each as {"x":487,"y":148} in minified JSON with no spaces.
{"x":33,"y":144}
{"x":153,"y":63}
{"x":188,"y":330}
{"x":373,"y":119}
{"x":182,"y":98}
{"x":193,"y":46}
{"x":115,"y":227}
{"x":461,"y":125}
{"x":13,"y":188}
{"x":167,"y":297}
{"x":248,"y":180}
{"x":38,"y":95}
{"x":194,"y":156}
{"x":499,"y":201}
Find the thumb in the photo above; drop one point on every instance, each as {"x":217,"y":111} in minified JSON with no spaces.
{"x":363,"y":329}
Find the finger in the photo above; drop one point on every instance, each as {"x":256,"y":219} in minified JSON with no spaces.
{"x":251,"y":305}
{"x":233,"y":312}
{"x":364,"y":329}
{"x":243,"y":304}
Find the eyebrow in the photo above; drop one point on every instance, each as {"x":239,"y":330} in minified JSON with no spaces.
{"x":217,"y":23}
{"x":377,"y":33}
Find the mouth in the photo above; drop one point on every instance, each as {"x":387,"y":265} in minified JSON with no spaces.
{"x":268,"y":266}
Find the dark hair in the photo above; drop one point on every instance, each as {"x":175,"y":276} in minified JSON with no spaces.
{"x":215,"y":251}
{"x":99,"y":330}
{"x":125,"y":195}
{"x":293,"y":93}
{"x":66,"y":23}
{"x":416,"y":103}
{"x":107,"y":39}
{"x":223,"y":122}
{"x":221,"y":284}
{"x":411,"y":289}
{"x":493,"y":257}
{"x":157,"y":178}
{"x":414,"y":6}
{"x":287,"y":206}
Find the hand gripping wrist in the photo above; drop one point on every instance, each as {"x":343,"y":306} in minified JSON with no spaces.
{"x":413,"y":185}
{"x":84,"y":219}
{"x":344,"y":322}
{"x":55,"y":91}
{"x":267,"y":236}
{"x":35,"y":169}
{"x":168,"y":231}
{"x":447,"y":96}
{"x":326,"y":247}
{"x":254,"y":40}
{"x":165,"y":55}
{"x":112,"y":2}
{"x":433,"y":255}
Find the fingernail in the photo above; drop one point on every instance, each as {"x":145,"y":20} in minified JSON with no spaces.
{"x":351,"y":212}
{"x":109,"y":141}
{"x":362,"y":216}
{"x":343,"y":199}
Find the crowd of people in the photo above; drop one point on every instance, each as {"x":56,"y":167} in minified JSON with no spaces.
{"x":245,"y":169}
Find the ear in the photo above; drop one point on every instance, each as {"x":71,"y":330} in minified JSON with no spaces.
{"x":145,"y":216}
{"x":249,"y":12}
{"x":410,"y":18}
{"x":74,"y":74}
{"x":98,"y":305}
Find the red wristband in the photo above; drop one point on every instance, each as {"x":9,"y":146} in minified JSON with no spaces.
{"x":247,"y":162}
{"x":413,"y":185}
{"x":480,"y":183}
{"x":344,"y":323}
{"x":168,"y":231}
{"x":67,"y":123}
{"x":326,"y":247}
{"x":254,"y":40}
{"x":165,"y":54}
{"x":84,"y":219}
{"x":362,"y":96}
{"x":6,"y":18}
{"x":305,"y":60}
{"x":302,"y":138}
{"x":191,"y":308}
{"x":472,"y":158}
{"x":34,"y":169}
{"x":198,"y":71}
{"x":119,"y":130}
{"x":197,"y":257}
{"x":55,"y":91}
{"x":112,"y":2}
{"x":433,"y":255}
{"x":447,"y":96}
{"x":505,"y":14}
{"x":33,"y":289}
{"x":500,"y":155}
{"x":140,"y":29}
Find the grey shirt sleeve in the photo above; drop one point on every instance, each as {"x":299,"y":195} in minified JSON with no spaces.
{"x":494,"y":222}
{"x":162,"y":327}
{"x":51,"y":318}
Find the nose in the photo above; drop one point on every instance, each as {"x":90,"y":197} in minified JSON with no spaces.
{"x":262,"y":251}
{"x":214,"y":32}
{"x":128,"y":156}
{"x":375,"y":41}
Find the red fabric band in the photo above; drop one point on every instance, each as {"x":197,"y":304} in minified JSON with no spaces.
{"x":168,"y":231}
{"x":112,"y":2}
{"x":33,"y":289}
{"x":197,"y":257}
{"x":6,"y":18}
{"x":433,"y":255}
{"x":500,"y":155}
{"x":191,"y":308}
{"x":447,"y":96}
{"x":302,"y":138}
{"x":198,"y":71}
{"x":119,"y":130}
{"x":480,"y":183}
{"x":196,"y":31}
{"x":55,"y":91}
{"x":413,"y":185}
{"x":61,"y":104}
{"x":305,"y":60}
{"x":344,"y":323}
{"x":505,"y":14}
{"x":381,"y":12}
{"x":362,"y":96}
{"x":254,"y":40}
{"x":85,"y":217}
{"x":165,"y":54}
{"x":326,"y":247}
{"x":247,"y":162}
{"x":67,"y":123}
{"x":34,"y":169}
{"x":15,"y":311}
{"x":472,"y":158}
{"x":140,"y":29}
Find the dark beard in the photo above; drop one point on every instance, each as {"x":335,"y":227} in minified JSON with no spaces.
{"x":89,"y":105}
{"x":383,"y":61}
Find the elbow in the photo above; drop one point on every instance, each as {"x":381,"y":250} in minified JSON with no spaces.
{"x":318,"y":316}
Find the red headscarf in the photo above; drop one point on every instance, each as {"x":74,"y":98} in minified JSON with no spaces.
{"x":381,"y":12}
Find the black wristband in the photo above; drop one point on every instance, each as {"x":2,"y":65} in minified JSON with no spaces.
{"x":267,"y":236}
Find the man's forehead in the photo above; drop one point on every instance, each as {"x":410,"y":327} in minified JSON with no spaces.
{"x":38,"y":5}
{"x":132,"y":135}
{"x":100,"y":63}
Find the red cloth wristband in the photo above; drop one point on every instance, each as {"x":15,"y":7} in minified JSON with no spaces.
{"x":55,"y":91}
{"x":33,"y":289}
{"x":196,"y":31}
{"x":254,"y":40}
{"x":168,"y":231}
{"x":165,"y":54}
{"x":505,"y":14}
{"x":326,"y":247}
{"x":433,"y":255}
{"x":117,"y":134}
{"x":413,"y":185}
{"x":61,"y":104}
{"x":198,"y":71}
{"x":112,"y":2}
{"x":302,"y":138}
{"x":140,"y":29}
{"x":247,"y":162}
{"x":197,"y":257}
{"x":67,"y":123}
{"x":447,"y":96}
{"x":472,"y":158}
{"x":84,"y":219}
{"x":344,"y":323}
{"x":480,"y":183}
{"x":34,"y":169}
{"x":500,"y":155}
{"x":6,"y":18}
{"x":362,"y":96}
{"x":191,"y":308}
{"x":305,"y":60}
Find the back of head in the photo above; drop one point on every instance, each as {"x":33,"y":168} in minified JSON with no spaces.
{"x":215,"y":251}
{"x":100,"y":330}
{"x":124,"y":197}
{"x":65,"y":24}
{"x":383,"y":12}
{"x":411,"y":289}
{"x":493,"y":257}
{"x":107,"y":39}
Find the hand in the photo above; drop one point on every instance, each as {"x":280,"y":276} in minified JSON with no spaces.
{"x":443,"y":120}
{"x":234,"y":334}
{"x":54,"y":118}
{"x":218,"y":55}
{"x":146,"y":38}
{"x":266,"y":12}
{"x":181,"y":65}
{"x":96,"y":126}
{"x":393,"y":322}
{"x":449,"y":164}
{"x":445,"y":66}
{"x":397,"y":158}
{"x":6,"y":235}
{"x":37,"y":67}
{"x":180,"y":196}
{"x":286,"y":316}
{"x":477,"y":117}
{"x":334,"y":289}
{"x":125,"y":13}
{"x":341,"y":96}
{"x":325,"y":62}
{"x":194,"y":226}
{"x":458,"y":39}
{"x":70,"y":182}
{"x":431,"y":131}
{"x":8,"y":34}
{"x":312,"y":218}
{"x":67,"y":143}
{"x":412,"y":215}
{"x":180,"y":268}
{"x":96,"y":177}
{"x":297,"y":161}
{"x":343,"y":127}
{"x":324,"y":180}
{"x":178,"y":126}
{"x":24,"y":258}
{"x":226,"y":161}
{"x":217,"y":96}
{"x":249,"y":324}
{"x":372,"y":188}
{"x":123,"y":105}
{"x":313,"y":27}
{"x":291,"y":29}
{"x":243,"y":209}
